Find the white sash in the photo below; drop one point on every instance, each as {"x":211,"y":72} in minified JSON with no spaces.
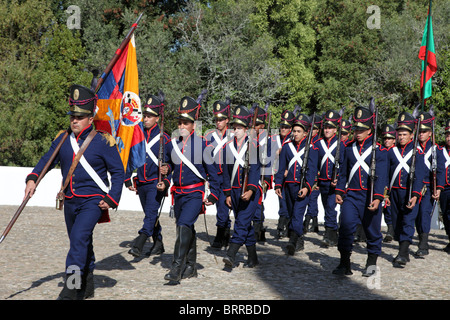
{"x":402,"y":163}
{"x":360,"y":161}
{"x":447,"y":157}
{"x":185,"y":160}
{"x":149,"y":151}
{"x":220,"y":143}
{"x":328,"y":152}
{"x":239,"y":157}
{"x":427,"y":156}
{"x":297,"y":156}
{"x":90,"y":171}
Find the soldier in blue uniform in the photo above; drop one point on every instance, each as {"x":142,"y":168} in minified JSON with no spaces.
{"x":312,"y":213}
{"x":265,"y":159}
{"x":192,"y":167}
{"x":287,"y":119}
{"x":346,"y":131}
{"x":404,"y":210}
{"x":327,"y":149}
{"x":145,"y":183}
{"x":242,"y":164}
{"x":89,"y":193}
{"x":388,"y":135}
{"x":290,"y":176}
{"x":354,"y":184}
{"x":217,"y":139}
{"x":445,"y":194}
{"x":423,"y":220}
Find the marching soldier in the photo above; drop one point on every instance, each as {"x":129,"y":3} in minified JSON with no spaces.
{"x":264,"y":153}
{"x":388,"y":136}
{"x":327,"y":150}
{"x":431,"y":193}
{"x":87,"y":194}
{"x":218,"y":138}
{"x":354,"y":182}
{"x":192,"y":167}
{"x":287,"y":119}
{"x":145,"y":183}
{"x":445,"y":194}
{"x":241,"y":174}
{"x":313,"y":206}
{"x":404,"y":194}
{"x":297,"y":179}
{"x":346,"y":130}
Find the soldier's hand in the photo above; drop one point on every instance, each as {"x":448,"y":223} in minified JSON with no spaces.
{"x":411,"y":203}
{"x":164,"y":169}
{"x":387,"y":202}
{"x":339,"y":199}
{"x":30,"y":188}
{"x":374,"y":205}
{"x":302,"y":193}
{"x":161,"y":186}
{"x":103,"y":205}
{"x":278,"y":192}
{"x":334,"y":183}
{"x":436,"y":195}
{"x":228,"y":201}
{"x":131,"y":188}
{"x":247,"y":195}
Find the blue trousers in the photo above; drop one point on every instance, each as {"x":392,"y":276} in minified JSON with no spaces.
{"x":423,"y":220}
{"x":187,"y":207}
{"x":329,"y":204}
{"x":81,"y":216}
{"x":150,"y":199}
{"x":445,"y":208}
{"x":283,"y":211}
{"x":223,"y":212}
{"x":313,"y":207}
{"x":403,"y":219}
{"x":244,"y":212}
{"x":354,"y":211}
{"x":296,"y":207}
{"x":387,"y":215}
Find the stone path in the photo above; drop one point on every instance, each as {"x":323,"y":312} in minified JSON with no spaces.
{"x":33,"y":254}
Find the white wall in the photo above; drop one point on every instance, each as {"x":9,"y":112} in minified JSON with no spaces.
{"x":12,"y":186}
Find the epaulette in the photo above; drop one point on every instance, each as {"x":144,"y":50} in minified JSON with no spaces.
{"x":108,"y":137}
{"x":59,"y":133}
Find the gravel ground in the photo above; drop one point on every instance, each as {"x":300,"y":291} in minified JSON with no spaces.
{"x":33,"y":256}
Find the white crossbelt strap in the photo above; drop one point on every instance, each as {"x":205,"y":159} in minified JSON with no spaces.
{"x":328,"y":152}
{"x":402,"y":163}
{"x":185,"y":160}
{"x":220,"y":143}
{"x":447,"y":157}
{"x":297,"y":156}
{"x":239,"y":158}
{"x":90,"y":171}
{"x":427,"y":157}
{"x":360,"y":161}
{"x":149,"y":146}
{"x":278,"y":139}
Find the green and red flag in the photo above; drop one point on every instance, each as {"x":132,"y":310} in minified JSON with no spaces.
{"x":427,"y":54}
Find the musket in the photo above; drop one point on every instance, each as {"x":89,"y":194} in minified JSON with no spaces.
{"x":306,"y":154}
{"x":412,"y":168}
{"x":433,"y":154}
{"x":247,"y":153}
{"x":336,"y":166}
{"x":373,"y":161}
{"x":161,"y":138}
{"x":66,"y":134}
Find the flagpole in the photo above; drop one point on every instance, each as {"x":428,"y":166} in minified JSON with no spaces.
{"x":117,"y":53}
{"x":425,"y":62}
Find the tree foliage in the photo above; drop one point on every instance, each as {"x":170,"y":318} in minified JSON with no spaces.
{"x":319,"y":54}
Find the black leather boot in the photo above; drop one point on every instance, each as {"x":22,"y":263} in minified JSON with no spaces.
{"x":282,"y":227}
{"x":182,"y":245}
{"x":330,"y":238}
{"x":423,"y":245}
{"x":219,"y":239}
{"x":294,"y":243}
{"x":69,"y":291}
{"x":315,"y":225}
{"x":158,"y":246}
{"x":371,"y":265}
{"x":233,"y":248}
{"x":252,"y":257}
{"x":306,"y":223}
{"x":344,"y":267}
{"x":403,"y":255}
{"x":190,"y":270}
{"x":87,"y":286}
{"x":389,"y":233}
{"x":139,"y":243}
